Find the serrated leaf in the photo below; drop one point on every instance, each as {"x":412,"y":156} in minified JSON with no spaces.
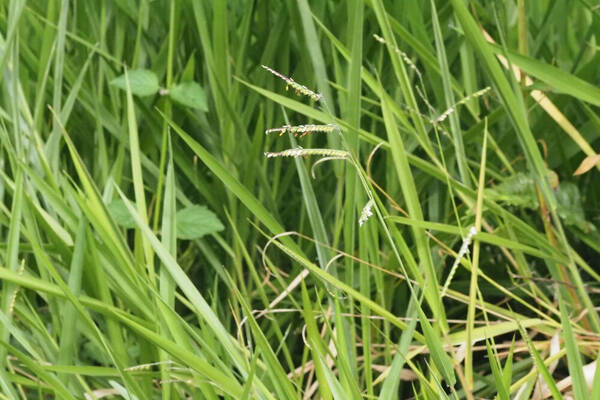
{"x":142,"y":82}
{"x":190,"y":94}
{"x":569,"y":205}
{"x":196,"y":221}
{"x":516,"y":190}
{"x":587,"y":164}
{"x":119,"y":213}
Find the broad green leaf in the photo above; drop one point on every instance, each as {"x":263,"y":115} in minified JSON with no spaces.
{"x":142,"y":82}
{"x":196,"y":221}
{"x":189,"y":94}
{"x":569,"y":205}
{"x":516,"y":190}
{"x":119,"y":213}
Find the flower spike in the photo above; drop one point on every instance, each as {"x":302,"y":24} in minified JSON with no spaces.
{"x":303,"y":130}
{"x":300,"y":89}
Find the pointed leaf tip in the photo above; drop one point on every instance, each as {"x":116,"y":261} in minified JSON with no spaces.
{"x":196,"y":221}
{"x":142,"y":82}
{"x":587,"y":164}
{"x":190,"y":94}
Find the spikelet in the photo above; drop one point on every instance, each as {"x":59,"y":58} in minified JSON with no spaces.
{"x":419,"y":88}
{"x":177,"y":380}
{"x":303,"y":130}
{"x":464,"y":250}
{"x":145,"y":367}
{"x":300,"y":89}
{"x":300,"y":152}
{"x":13,"y":299}
{"x":366,"y":212}
{"x":402,"y":54}
{"x":463,"y":101}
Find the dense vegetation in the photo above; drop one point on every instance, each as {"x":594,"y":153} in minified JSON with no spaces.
{"x":419,"y":221}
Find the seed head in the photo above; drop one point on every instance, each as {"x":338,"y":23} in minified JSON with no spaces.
{"x":464,"y":250}
{"x":300,"y":89}
{"x":449,"y":111}
{"x":402,"y":54}
{"x":300,"y":152}
{"x":366,"y":212}
{"x":303,"y":130}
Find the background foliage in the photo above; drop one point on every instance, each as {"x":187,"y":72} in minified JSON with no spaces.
{"x":149,"y":249}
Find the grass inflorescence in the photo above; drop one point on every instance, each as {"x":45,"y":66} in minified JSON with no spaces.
{"x":298,"y":88}
{"x":303,"y":130}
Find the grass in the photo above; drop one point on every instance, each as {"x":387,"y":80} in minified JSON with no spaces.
{"x":420,"y":220}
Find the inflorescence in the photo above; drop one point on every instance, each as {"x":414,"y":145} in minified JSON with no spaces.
{"x":464,"y":250}
{"x":300,"y":89}
{"x":303,"y":130}
{"x":366,"y":212}
{"x":402,"y":54}
{"x":300,"y":152}
{"x":463,"y":101}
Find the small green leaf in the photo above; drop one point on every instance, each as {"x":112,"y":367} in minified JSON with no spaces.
{"x":188,"y":71}
{"x":119,"y":213}
{"x":142,"y":82}
{"x":189,"y":94}
{"x":196,"y":221}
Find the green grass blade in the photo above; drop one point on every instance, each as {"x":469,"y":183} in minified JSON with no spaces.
{"x":138,"y":181}
{"x":409,"y":191}
{"x":457,"y":135}
{"x":389,"y":390}
{"x":559,"y":80}
{"x":541,"y":367}
{"x":68,"y":341}
{"x":518,"y":118}
{"x":188,"y":288}
{"x":249,"y":200}
{"x":501,"y":387}
{"x":573,"y":356}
